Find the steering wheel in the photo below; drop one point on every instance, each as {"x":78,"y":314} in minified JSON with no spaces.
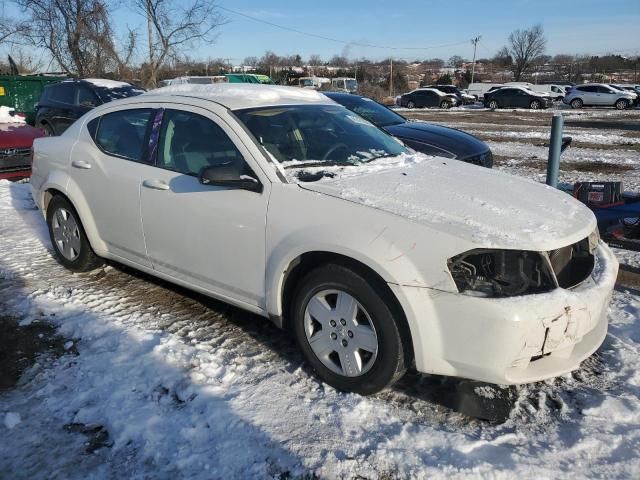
{"x":337,"y":146}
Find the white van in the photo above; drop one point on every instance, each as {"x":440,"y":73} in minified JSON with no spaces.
{"x":557,"y":92}
{"x":479,"y":89}
{"x":346,"y":84}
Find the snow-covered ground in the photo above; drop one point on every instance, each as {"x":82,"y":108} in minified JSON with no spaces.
{"x":162,"y":383}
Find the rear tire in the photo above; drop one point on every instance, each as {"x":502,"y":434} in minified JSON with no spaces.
{"x":70,"y":244}
{"x":576,"y":103}
{"x":622,"y":104}
{"x":48,"y":130}
{"x":363,"y":350}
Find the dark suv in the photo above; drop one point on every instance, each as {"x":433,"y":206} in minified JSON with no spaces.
{"x":64,"y":102}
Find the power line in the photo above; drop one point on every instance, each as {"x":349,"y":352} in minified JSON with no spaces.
{"x":336,"y":40}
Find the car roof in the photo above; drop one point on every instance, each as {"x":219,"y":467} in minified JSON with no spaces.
{"x":341,"y":95}
{"x":237,"y":96}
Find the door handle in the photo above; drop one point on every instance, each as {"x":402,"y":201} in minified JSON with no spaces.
{"x":155,"y":184}
{"x":81,"y":164}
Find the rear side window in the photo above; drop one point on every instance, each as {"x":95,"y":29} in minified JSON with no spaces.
{"x":123,"y":133}
{"x":189,"y":142}
{"x":86,"y":97}
{"x":62,"y":93}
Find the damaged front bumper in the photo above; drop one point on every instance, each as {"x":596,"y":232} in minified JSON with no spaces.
{"x":510,"y":340}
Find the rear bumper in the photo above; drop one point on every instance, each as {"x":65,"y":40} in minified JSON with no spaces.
{"x":510,"y":340}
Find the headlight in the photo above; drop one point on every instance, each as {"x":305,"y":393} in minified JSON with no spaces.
{"x":594,"y":240}
{"x":501,"y":273}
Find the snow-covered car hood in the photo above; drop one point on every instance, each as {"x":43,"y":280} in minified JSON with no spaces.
{"x":485,"y":207}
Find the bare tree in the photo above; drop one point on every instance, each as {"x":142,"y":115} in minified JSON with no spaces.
{"x":315,"y":60}
{"x":524,"y":47}
{"x":456,"y":61}
{"x":11,"y":28}
{"x":175,"y":25}
{"x":77,"y":33}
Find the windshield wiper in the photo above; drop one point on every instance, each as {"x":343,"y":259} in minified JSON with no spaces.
{"x":319,"y":163}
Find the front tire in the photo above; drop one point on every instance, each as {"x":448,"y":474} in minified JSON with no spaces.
{"x":622,"y":104}
{"x":493,"y":104}
{"x":445,"y":105}
{"x":70,"y":244}
{"x":349,"y":331}
{"x":534,"y":105}
{"x":576,"y":103}
{"x":411,"y":104}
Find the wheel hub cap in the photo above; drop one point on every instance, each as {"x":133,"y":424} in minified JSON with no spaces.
{"x":340,"y":333}
{"x":66,"y":234}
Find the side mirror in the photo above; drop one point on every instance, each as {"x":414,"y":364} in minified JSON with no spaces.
{"x":228,"y":175}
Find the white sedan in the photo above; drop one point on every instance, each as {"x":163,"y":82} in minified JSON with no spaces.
{"x":288,"y":205}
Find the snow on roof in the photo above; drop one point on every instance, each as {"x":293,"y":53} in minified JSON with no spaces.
{"x":105,"y":83}
{"x":245,"y":95}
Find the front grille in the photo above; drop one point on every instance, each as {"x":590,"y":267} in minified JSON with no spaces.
{"x":15,"y":159}
{"x":572,"y":264}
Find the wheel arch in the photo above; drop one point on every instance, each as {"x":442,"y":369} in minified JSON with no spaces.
{"x":88,"y":225}
{"x":305,"y":262}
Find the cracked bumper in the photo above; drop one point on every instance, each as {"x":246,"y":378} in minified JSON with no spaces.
{"x":510,"y":340}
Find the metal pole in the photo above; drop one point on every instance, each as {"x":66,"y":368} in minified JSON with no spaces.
{"x":473,"y":65}
{"x":391,"y":79}
{"x":555,"y":149}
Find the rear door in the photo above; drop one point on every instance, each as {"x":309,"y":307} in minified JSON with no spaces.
{"x":209,"y":236}
{"x":107,"y":165}
{"x":589,"y":94}
{"x":607,"y":95}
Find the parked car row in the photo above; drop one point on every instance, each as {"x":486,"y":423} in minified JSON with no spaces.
{"x":300,"y":211}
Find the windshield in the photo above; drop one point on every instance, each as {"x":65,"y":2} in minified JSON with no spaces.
{"x":351,"y":84}
{"x":307,"y":82}
{"x":300,"y":136}
{"x":371,"y":110}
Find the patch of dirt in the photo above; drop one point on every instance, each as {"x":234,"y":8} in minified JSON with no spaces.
{"x":541,"y":165}
{"x":21,"y":345}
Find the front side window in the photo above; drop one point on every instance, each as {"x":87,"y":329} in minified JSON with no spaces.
{"x":123,"y":133}
{"x":317,"y":135}
{"x":189,"y":142}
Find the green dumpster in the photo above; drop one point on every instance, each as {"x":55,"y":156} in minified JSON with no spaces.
{"x":22,"y":92}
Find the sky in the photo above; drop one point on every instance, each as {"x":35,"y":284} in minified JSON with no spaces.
{"x":434,"y":28}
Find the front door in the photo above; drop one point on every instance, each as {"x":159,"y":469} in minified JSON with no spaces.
{"x":209,"y":236}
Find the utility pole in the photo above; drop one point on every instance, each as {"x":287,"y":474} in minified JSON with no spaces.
{"x":391,"y":78}
{"x":474,"y":41}
{"x":151,"y":41}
